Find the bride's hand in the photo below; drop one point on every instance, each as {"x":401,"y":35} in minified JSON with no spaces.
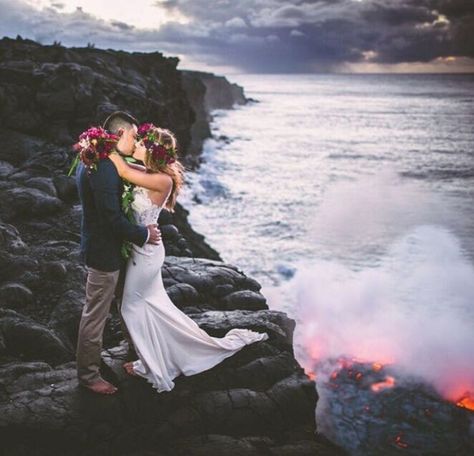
{"x":119,"y":162}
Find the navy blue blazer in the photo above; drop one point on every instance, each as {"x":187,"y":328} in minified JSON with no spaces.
{"x":104,"y":227}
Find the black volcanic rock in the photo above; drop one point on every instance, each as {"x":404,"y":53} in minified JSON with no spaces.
{"x":15,"y":295}
{"x":220,"y":93}
{"x":259,"y":397}
{"x":206,"y":92}
{"x":25,"y":339}
{"x":49,"y":94}
{"x":258,"y":401}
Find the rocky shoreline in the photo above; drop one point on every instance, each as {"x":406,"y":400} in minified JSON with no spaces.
{"x":258,"y":401}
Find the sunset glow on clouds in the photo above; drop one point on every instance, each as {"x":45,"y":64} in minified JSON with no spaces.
{"x":262,"y":35}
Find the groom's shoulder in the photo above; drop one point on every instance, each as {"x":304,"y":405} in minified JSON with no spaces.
{"x":105,"y":172}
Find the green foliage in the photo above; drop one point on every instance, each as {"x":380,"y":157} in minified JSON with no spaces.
{"x":127,"y":200}
{"x":74,"y":164}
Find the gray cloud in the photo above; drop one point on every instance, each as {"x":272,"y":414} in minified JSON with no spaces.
{"x":272,"y":35}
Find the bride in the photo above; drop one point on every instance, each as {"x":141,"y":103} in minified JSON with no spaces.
{"x":168,"y":342}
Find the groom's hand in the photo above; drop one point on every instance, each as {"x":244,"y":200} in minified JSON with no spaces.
{"x":155,"y":234}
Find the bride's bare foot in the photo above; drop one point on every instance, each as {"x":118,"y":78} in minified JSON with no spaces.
{"x":129,"y":369}
{"x":101,"y":386}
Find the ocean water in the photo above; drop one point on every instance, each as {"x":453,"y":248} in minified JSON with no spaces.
{"x":335,"y":167}
{"x":351,"y":199}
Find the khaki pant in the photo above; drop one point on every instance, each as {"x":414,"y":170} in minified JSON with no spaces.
{"x":100,"y":288}
{"x":132,"y":354}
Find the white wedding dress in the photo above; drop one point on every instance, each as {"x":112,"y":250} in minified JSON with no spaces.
{"x":167,"y":341}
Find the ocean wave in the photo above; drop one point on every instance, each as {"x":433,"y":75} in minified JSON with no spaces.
{"x":339,"y":156}
{"x":439,"y":174}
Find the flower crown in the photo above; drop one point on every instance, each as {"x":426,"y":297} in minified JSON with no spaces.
{"x":162,"y":153}
{"x":94,"y":144}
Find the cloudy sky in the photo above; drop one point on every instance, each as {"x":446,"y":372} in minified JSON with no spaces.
{"x":262,"y":36}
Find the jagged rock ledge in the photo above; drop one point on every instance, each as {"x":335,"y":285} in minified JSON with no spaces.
{"x":258,"y":401}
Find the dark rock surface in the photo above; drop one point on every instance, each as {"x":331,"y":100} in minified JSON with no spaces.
{"x":207,"y":92}
{"x":220,"y":93}
{"x":258,"y":401}
{"x":405,"y":415}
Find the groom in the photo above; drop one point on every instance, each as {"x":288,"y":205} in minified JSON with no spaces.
{"x":104,"y":227}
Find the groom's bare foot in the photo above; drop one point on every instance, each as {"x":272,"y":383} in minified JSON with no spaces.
{"x":129,"y":369}
{"x":101,"y":386}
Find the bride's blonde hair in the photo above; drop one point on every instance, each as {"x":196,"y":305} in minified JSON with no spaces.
{"x":175,"y":169}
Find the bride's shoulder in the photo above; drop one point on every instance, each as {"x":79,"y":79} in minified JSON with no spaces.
{"x":165,"y":181}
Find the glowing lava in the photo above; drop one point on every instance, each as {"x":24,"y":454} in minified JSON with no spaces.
{"x":467,"y":401}
{"x":377,"y":366}
{"x":464,"y":400}
{"x":399,"y":442}
{"x":311,"y":375}
{"x":389,"y":382}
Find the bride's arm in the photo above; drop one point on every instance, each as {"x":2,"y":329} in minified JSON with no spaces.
{"x":136,"y":166}
{"x":159,"y":182}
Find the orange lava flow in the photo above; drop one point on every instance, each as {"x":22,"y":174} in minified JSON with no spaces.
{"x":377,"y":366}
{"x":389,"y":382}
{"x":466,"y":401}
{"x":311,"y":375}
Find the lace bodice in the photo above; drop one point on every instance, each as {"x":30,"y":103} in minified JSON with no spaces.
{"x":146,"y":212}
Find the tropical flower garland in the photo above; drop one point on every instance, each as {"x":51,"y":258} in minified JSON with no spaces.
{"x":163,"y":154}
{"x":94,"y":144}
{"x":127,"y":200}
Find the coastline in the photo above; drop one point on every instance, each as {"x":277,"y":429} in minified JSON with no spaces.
{"x":259,"y":401}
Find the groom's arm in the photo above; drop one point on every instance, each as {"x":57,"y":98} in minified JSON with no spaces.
{"x":105,"y":184}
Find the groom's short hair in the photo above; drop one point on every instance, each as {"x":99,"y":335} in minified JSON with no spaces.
{"x":117,"y":120}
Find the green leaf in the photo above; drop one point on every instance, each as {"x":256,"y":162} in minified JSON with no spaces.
{"x":74,"y":164}
{"x":126,"y":250}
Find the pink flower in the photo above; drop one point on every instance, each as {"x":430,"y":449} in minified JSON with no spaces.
{"x":94,"y":144}
{"x":158,"y":152}
{"x":143,"y":129}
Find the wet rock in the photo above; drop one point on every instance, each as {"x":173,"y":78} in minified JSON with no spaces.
{"x":245,"y":299}
{"x":26,"y":202}
{"x":10,"y":239}
{"x":219,"y":285}
{"x":13,"y":267}
{"x":15,"y":296}
{"x":49,"y":398}
{"x":66,"y":188}
{"x":20,"y":148}
{"x":183,"y":295}
{"x":196,"y":244}
{"x":66,"y":316}
{"x":169,"y":232}
{"x":5,"y":169}
{"x":279,"y":326}
{"x":26,"y":339}
{"x":44,"y":184}
{"x":54,"y":270}
{"x":219,"y":93}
